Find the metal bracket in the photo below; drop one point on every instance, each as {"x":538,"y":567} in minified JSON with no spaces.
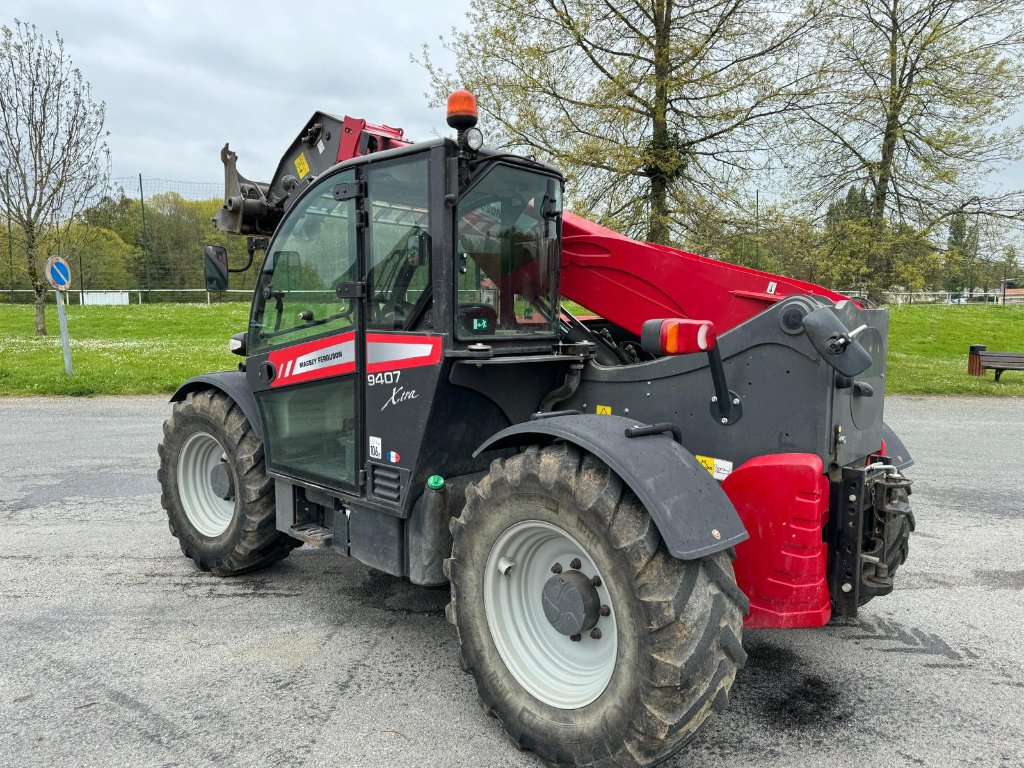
{"x":351,"y":290}
{"x":348,"y":190}
{"x":656,"y":429}
{"x":849,"y":523}
{"x":732,"y":410}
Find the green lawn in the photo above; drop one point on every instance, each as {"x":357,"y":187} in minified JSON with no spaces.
{"x":117,"y":350}
{"x":928,"y":348}
{"x":152,"y":348}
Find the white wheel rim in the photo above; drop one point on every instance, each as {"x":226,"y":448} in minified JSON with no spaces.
{"x":558,"y":671}
{"x":209,"y":513}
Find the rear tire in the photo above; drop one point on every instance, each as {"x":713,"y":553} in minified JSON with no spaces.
{"x":677,"y":624}
{"x":225,"y":536}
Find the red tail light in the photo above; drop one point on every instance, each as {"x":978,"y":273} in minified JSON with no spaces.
{"x":676,"y":336}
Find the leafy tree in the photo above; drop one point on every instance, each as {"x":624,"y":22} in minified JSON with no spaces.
{"x":913,"y":106}
{"x":656,"y":110}
{"x":170,"y":255}
{"x":52,"y":146}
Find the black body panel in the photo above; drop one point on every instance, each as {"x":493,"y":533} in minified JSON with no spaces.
{"x":687,"y":505}
{"x":232,"y":384}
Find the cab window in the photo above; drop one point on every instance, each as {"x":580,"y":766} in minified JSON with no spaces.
{"x":506,"y":255}
{"x":398,"y":244}
{"x":313,"y":253}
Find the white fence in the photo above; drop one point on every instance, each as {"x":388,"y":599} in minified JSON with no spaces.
{"x":135,"y":296}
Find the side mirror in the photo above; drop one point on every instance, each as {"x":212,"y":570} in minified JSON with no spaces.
{"x":836,"y":343}
{"x":215,"y":265}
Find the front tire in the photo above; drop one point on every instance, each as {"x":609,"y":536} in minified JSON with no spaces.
{"x":668,"y":643}
{"x":214,"y":488}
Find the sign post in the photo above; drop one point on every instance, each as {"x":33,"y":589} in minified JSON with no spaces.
{"x":59,"y":274}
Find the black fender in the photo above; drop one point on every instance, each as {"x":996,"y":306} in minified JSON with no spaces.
{"x":232,"y":384}
{"x":895,"y":448}
{"x":691,"y":511}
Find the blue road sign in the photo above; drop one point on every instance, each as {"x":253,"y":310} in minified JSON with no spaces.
{"x":58,"y":273}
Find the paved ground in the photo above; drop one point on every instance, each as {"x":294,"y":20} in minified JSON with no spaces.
{"x":115,"y":651}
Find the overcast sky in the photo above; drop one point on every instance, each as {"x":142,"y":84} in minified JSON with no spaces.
{"x":181,"y":78}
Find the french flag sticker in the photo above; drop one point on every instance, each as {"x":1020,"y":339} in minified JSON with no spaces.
{"x":393,"y":457}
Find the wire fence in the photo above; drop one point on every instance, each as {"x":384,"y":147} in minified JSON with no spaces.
{"x":151,"y":187}
{"x":127,"y":296}
{"x":145,"y":236}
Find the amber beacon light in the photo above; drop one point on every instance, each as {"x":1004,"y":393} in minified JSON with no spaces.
{"x":461,"y":110}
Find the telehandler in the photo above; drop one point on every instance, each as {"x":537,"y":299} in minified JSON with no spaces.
{"x":612,"y":494}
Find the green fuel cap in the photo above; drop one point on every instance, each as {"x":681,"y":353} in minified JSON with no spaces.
{"x":435,"y":482}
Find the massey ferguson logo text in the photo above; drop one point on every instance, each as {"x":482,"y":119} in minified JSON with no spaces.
{"x":321,"y":359}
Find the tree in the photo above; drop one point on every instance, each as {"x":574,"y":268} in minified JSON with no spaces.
{"x":913,"y":105}
{"x":656,"y":110}
{"x":52,"y":145}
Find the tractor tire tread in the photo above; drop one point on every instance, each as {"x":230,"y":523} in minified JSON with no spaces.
{"x":257,"y":543}
{"x":689,"y":673}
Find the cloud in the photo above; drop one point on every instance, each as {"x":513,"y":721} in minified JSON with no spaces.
{"x":179,"y":79}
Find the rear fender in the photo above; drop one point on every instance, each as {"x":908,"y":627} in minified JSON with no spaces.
{"x":693,"y":515}
{"x":232,"y":384}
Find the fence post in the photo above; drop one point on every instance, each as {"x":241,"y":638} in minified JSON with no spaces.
{"x":974,"y":359}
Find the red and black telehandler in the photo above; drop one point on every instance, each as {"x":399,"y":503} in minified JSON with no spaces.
{"x":612,"y":494}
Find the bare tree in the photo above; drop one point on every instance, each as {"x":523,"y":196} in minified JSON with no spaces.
{"x":52,"y":146}
{"x":656,"y":109}
{"x":917,"y":95}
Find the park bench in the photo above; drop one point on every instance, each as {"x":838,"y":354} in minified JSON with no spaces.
{"x":979,"y":360}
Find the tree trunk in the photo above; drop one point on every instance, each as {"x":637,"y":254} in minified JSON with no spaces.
{"x":659,"y":227}
{"x":890,"y":132}
{"x":37,"y":280}
{"x":40,"y":291}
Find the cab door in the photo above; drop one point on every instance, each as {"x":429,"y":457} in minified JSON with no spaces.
{"x":306,"y":358}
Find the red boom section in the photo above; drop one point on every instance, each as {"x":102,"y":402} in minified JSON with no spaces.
{"x":627,"y":281}
{"x":783,"y":502}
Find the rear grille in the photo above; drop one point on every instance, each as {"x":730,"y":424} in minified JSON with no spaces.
{"x":386,"y":482}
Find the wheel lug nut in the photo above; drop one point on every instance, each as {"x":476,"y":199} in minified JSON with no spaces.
{"x":596,"y":581}
{"x":595,"y":633}
{"x":575,"y":564}
{"x":556,"y":568}
{"x":575,"y":638}
{"x":606,"y":611}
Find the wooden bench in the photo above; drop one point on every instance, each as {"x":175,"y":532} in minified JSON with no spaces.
{"x":979,"y":360}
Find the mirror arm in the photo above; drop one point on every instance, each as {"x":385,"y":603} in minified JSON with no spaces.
{"x":718,"y":379}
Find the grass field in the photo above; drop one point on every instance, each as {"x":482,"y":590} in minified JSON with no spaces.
{"x":152,"y":348}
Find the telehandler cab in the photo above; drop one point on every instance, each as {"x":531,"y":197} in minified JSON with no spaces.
{"x":611,"y":497}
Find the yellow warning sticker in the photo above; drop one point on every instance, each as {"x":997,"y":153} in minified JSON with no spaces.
{"x":719,"y":468}
{"x":604,"y":410}
{"x":302,"y":165}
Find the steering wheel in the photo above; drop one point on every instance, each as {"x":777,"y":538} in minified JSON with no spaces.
{"x":384,"y":310}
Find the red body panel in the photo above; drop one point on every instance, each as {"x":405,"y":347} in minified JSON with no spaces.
{"x":352,"y":130}
{"x":627,"y":281}
{"x":783,"y":501}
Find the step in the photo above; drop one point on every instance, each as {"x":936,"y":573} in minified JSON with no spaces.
{"x":314,"y":535}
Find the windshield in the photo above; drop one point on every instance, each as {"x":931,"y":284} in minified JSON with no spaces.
{"x":507,"y":254}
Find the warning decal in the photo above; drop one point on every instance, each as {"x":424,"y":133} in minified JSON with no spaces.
{"x":719,"y":468}
{"x":604,"y":410}
{"x":302,"y":165}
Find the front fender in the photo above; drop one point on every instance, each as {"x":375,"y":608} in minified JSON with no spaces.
{"x":692,"y":513}
{"x":232,"y":384}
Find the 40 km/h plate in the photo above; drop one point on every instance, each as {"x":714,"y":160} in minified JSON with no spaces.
{"x":58,"y":273}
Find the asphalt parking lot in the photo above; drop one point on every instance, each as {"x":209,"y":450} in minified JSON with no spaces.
{"x":116,"y":651}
